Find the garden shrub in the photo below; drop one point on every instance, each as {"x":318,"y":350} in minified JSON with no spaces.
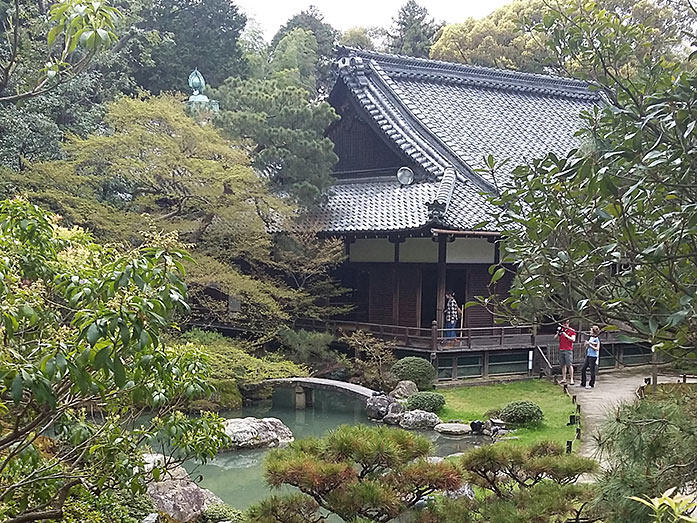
{"x":492,"y":414}
{"x":522,"y":413}
{"x":222,"y":512}
{"x":430,"y":401}
{"x":415,"y":369}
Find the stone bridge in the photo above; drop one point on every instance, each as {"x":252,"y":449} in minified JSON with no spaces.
{"x":304,"y":387}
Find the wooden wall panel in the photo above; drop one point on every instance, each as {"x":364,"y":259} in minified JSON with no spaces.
{"x":381,"y":295}
{"x":409,"y":290}
{"x":358,"y":146}
{"x":478,"y":279}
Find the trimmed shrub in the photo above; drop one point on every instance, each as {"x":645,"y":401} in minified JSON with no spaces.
{"x":222,"y":512}
{"x":522,"y":413}
{"x":430,"y":401}
{"x":415,"y":369}
{"x":492,"y":414}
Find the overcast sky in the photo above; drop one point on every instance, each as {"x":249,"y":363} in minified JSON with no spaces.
{"x":343,"y":14}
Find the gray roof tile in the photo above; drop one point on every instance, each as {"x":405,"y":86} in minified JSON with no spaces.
{"x":441,"y":115}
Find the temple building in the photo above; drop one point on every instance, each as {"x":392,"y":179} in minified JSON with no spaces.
{"x":411,"y":197}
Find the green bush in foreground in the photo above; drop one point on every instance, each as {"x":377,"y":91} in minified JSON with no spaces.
{"x":222,"y":512}
{"x":430,"y":401}
{"x":522,"y":413}
{"x":415,"y":369}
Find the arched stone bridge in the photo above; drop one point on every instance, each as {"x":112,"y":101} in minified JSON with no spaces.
{"x":304,"y":388}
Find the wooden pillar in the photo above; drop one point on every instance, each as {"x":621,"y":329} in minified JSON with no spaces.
{"x":440,"y":282}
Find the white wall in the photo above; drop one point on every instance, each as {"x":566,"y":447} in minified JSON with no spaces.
{"x":470,"y":250}
{"x":422,"y":250}
{"x":418,"y":250}
{"x":371,"y":250}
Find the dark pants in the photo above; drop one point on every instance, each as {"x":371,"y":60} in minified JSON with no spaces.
{"x":590,"y":363}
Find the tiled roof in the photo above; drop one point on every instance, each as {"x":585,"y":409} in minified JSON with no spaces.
{"x":442,"y":115}
{"x":383,"y":204}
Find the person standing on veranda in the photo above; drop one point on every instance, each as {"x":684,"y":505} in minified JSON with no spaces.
{"x":567,"y":337}
{"x":452,"y":314}
{"x":592,"y":353}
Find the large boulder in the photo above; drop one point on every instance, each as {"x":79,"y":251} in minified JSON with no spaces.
{"x":419,"y":419}
{"x":250,"y":433}
{"x":181,"y":499}
{"x":378,"y":406}
{"x":404,"y":389}
{"x":453,"y":429}
{"x":159,"y":460}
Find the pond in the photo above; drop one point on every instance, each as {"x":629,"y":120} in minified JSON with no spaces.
{"x":238,"y":477}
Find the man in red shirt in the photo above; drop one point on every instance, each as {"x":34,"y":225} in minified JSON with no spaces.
{"x":567,"y":337}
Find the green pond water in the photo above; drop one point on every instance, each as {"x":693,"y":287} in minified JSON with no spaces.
{"x":237,"y":477}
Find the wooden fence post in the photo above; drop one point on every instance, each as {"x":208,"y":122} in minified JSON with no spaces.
{"x":434,"y":335}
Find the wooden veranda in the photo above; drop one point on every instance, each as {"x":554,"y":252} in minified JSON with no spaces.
{"x":487,"y":351}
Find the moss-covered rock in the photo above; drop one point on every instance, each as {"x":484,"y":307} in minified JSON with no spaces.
{"x":227,"y":394}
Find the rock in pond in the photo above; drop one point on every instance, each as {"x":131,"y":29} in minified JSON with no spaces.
{"x":392,"y":418}
{"x":378,"y":406}
{"x":419,"y":419}
{"x":159,"y":460}
{"x":404,"y":389}
{"x":250,"y":433}
{"x":181,"y":499}
{"x":453,"y":429}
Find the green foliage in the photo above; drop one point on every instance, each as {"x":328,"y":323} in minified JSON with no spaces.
{"x":312,"y":20}
{"x":430,"y":401}
{"x":222,"y":512}
{"x":375,"y":473}
{"x":178,"y":35}
{"x":649,"y":448}
{"x":521,"y":484}
{"x":413,"y":32}
{"x":518,"y":35}
{"x":614,"y":220}
{"x":373,"y":359}
{"x":284,"y":130}
{"x":415,"y":369}
{"x":522,"y":413}
{"x":309,"y":348}
{"x":71,"y":33}
{"x":157,"y":168}
{"x":358,"y":37}
{"x":670,"y":507}
{"x":230,"y":363}
{"x":81,"y":325}
{"x":497,"y":40}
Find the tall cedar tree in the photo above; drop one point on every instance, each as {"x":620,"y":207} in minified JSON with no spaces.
{"x":281,"y":123}
{"x":184,"y":34}
{"x":413,"y":32}
{"x":312,"y":20}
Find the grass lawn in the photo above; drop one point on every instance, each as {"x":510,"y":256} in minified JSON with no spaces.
{"x":470,"y":403}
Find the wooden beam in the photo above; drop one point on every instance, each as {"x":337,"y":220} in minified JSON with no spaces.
{"x":440,"y":283}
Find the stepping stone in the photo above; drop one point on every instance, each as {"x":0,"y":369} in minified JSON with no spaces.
{"x":453,"y":429}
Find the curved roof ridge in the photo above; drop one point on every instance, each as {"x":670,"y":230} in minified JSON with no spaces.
{"x":436,"y":70}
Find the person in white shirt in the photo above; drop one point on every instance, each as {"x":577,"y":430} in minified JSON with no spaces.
{"x":592,"y":353}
